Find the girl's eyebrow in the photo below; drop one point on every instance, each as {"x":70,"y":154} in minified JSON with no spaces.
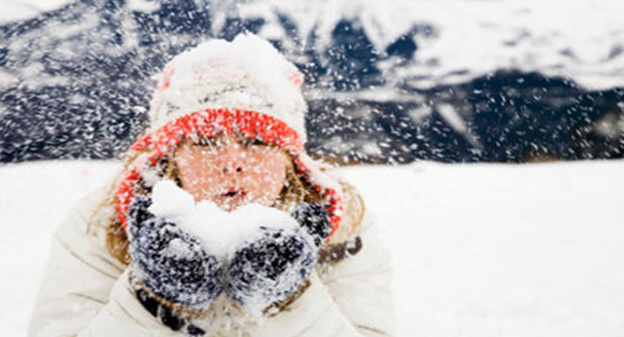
{"x":212,"y":141}
{"x":251,"y":141}
{"x":207,"y":141}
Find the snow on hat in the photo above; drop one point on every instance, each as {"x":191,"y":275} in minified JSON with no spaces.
{"x":244,"y":88}
{"x":247,"y":74}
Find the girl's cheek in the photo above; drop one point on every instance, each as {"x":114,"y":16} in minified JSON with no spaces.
{"x":264,"y":183}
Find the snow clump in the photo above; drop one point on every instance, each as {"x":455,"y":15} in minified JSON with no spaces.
{"x":220,"y":230}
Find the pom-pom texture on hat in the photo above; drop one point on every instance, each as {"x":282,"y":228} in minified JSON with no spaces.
{"x":247,"y":73}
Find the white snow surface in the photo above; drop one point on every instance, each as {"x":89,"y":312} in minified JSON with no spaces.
{"x":478,"y":250}
{"x":223,"y":232}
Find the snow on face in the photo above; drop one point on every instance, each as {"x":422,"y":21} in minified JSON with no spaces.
{"x":231,"y":173}
{"x":222,"y":232}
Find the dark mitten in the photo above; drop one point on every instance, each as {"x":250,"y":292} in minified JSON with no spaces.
{"x":172,"y":263}
{"x":313,"y":217}
{"x":270,"y":269}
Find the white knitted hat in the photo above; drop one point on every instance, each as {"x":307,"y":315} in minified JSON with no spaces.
{"x":247,"y":74}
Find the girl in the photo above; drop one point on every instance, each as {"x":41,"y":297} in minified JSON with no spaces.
{"x":220,"y":224}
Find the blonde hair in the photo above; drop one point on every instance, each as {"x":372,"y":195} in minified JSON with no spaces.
{"x":294,"y":192}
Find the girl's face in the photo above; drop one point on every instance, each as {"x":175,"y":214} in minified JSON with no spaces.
{"x":232,"y":173}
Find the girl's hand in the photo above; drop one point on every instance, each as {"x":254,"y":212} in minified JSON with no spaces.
{"x":271,"y":269}
{"x":171,"y":263}
{"x":313,"y":217}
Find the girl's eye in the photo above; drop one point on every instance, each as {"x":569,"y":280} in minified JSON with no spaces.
{"x":208,"y":142}
{"x":250,"y":142}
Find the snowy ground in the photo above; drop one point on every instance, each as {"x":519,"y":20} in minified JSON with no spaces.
{"x":479,"y":250}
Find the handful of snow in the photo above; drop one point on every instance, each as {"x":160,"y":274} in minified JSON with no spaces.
{"x":220,"y":231}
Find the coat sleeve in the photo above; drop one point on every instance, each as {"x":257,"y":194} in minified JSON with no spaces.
{"x":84,"y":290}
{"x":353,"y":299}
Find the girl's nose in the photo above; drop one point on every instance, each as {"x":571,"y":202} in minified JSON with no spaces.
{"x":231,"y":167}
{"x":233,"y":156}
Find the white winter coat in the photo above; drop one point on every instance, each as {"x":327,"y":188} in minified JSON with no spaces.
{"x":86,"y":292}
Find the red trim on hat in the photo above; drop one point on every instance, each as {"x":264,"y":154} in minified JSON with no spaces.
{"x":125,"y":192}
{"x":161,"y":144}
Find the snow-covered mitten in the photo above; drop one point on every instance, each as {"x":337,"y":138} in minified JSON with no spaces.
{"x":170,"y":262}
{"x":270,"y":269}
{"x":313,"y":217}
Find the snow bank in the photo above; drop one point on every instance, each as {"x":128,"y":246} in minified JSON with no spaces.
{"x":503,"y":250}
{"x":479,"y":250}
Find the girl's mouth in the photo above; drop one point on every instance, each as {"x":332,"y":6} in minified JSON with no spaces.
{"x":233,"y":194}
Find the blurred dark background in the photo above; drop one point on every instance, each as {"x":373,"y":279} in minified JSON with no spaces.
{"x":75,"y":83}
